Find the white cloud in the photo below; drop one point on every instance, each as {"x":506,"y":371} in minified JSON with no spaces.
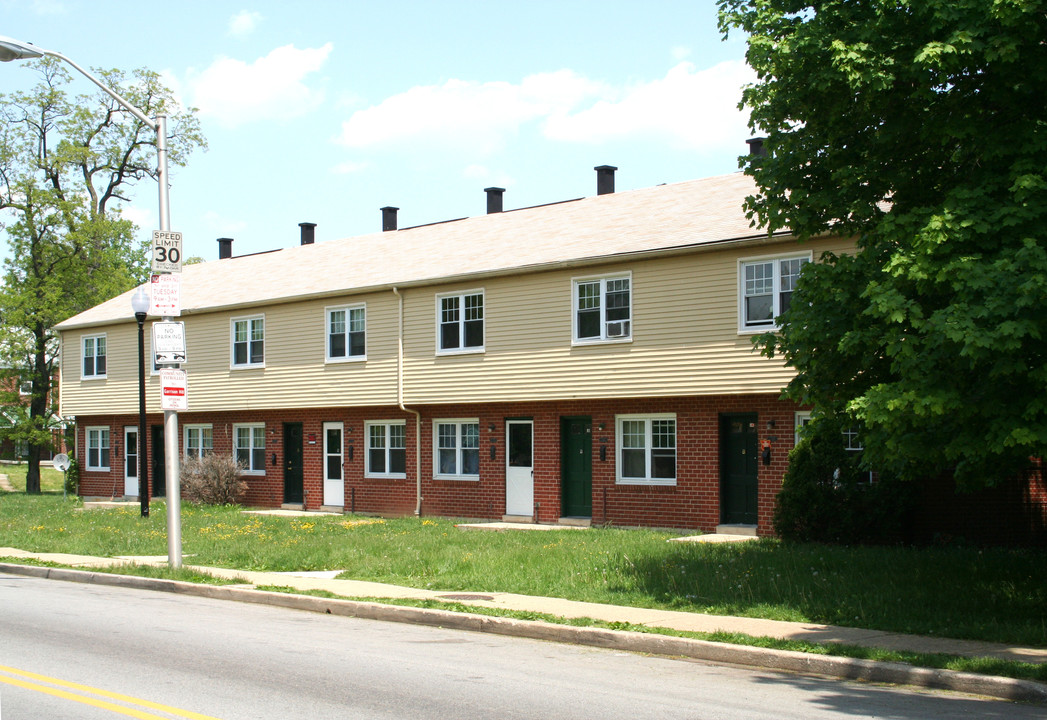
{"x":273,"y":87}
{"x":145,"y":219}
{"x":679,"y":53}
{"x":244,"y":23}
{"x":689,"y":108}
{"x":466,"y":114}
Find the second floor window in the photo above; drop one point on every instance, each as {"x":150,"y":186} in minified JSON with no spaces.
{"x":603,"y":309}
{"x":460,"y":320}
{"x":767,"y":289}
{"x":346,"y":330}
{"x":248,"y":341}
{"x":94,"y":356}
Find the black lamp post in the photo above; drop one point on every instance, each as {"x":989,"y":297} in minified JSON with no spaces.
{"x":140,"y":305}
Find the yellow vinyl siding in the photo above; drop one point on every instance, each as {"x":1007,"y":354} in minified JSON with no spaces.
{"x":685,"y":338}
{"x":685,"y":341}
{"x":295,"y":373}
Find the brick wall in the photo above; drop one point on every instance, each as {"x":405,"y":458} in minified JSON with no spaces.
{"x":693,"y":502}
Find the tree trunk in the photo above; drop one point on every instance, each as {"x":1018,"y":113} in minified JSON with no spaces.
{"x":38,"y":406}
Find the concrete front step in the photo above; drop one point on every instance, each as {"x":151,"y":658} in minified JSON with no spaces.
{"x":748,"y":530}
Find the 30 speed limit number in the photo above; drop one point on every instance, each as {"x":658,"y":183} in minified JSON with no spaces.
{"x":167,"y":251}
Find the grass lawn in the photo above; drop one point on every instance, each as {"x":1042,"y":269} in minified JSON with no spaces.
{"x":995,"y":595}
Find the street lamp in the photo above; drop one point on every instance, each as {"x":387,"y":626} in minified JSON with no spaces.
{"x":140,"y":305}
{"x":11,"y":49}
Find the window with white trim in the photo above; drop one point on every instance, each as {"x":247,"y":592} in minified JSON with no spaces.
{"x":646,"y":449}
{"x":94,"y":354}
{"x":603,"y":308}
{"x":248,"y":341}
{"x":97,"y":448}
{"x":457,"y":444}
{"x":346,"y":333}
{"x":766,"y":287}
{"x":198,"y":440}
{"x":802,"y":420}
{"x":249,"y":447}
{"x":460,"y":322}
{"x":386,"y":449}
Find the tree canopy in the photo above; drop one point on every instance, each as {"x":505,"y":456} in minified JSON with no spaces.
{"x":66,"y":164}
{"x":920,"y":129}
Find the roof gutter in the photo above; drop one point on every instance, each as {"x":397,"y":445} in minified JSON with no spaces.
{"x":400,"y":402}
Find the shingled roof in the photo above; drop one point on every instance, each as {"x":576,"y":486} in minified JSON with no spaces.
{"x":665,"y":217}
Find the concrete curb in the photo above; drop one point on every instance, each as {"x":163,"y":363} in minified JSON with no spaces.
{"x":779,"y":660}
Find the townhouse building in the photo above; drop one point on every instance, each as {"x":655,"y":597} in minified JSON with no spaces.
{"x":583,"y":361}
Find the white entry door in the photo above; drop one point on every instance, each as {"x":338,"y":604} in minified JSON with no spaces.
{"x":519,"y":468}
{"x":130,"y":461}
{"x":334,"y":477}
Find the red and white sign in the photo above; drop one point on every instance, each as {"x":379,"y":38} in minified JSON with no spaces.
{"x":174,"y":386}
{"x":165,"y":295}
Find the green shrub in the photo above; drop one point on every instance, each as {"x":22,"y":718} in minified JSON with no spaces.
{"x":212,"y":480}
{"x":827,"y":496}
{"x":72,"y":477}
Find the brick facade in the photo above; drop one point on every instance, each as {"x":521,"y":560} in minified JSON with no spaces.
{"x":692,"y":503}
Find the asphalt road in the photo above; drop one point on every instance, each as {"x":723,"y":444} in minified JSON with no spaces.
{"x":69,"y":650}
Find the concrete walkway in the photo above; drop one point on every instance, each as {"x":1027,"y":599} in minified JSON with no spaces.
{"x":247,"y":583}
{"x":559,"y":607}
{"x":5,"y":483}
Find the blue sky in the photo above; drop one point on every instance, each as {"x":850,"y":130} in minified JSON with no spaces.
{"x":325,"y":111}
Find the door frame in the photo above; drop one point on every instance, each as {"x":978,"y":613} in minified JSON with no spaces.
{"x":334,"y":488}
{"x":130,"y":489}
{"x":519,"y":479}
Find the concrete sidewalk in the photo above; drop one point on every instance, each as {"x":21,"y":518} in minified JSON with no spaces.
{"x":675,"y":620}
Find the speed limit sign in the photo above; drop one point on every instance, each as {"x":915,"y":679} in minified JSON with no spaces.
{"x":167,"y":251}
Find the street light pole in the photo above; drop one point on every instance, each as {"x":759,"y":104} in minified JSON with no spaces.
{"x":140,"y":305}
{"x":11,"y":49}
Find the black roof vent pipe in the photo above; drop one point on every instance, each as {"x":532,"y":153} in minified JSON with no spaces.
{"x":389,"y":218}
{"x":604,"y":179}
{"x":494,"y":199}
{"x":225,"y":248}
{"x":756,"y":147}
{"x":308,"y":232}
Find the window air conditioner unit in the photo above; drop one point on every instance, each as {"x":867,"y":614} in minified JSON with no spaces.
{"x":618,"y":329}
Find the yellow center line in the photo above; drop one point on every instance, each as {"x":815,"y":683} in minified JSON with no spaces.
{"x":95,"y":691}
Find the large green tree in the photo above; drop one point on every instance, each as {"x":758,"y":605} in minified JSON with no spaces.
{"x":918,"y":127}
{"x":66,"y":165}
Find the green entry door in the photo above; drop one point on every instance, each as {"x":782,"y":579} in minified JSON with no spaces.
{"x":738,"y":469}
{"x":576,"y":466}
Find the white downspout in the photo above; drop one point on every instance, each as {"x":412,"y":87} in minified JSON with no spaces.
{"x":400,"y":402}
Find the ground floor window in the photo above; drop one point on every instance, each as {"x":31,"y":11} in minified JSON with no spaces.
{"x":457,"y":445}
{"x":646,"y":449}
{"x":199,"y":440}
{"x":97,"y":448}
{"x":249,"y":447}
{"x":387,"y":449}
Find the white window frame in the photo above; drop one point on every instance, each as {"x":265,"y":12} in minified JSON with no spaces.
{"x":199,"y":428}
{"x":102,"y":432}
{"x":348,"y":310}
{"x":387,"y":426}
{"x":458,"y":448}
{"x":605,"y":324}
{"x":250,"y":320}
{"x":744,"y":326}
{"x":648,"y":419}
{"x":94,"y":353}
{"x":461,"y":296}
{"x":256,"y":429}
{"x":801,"y":419}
